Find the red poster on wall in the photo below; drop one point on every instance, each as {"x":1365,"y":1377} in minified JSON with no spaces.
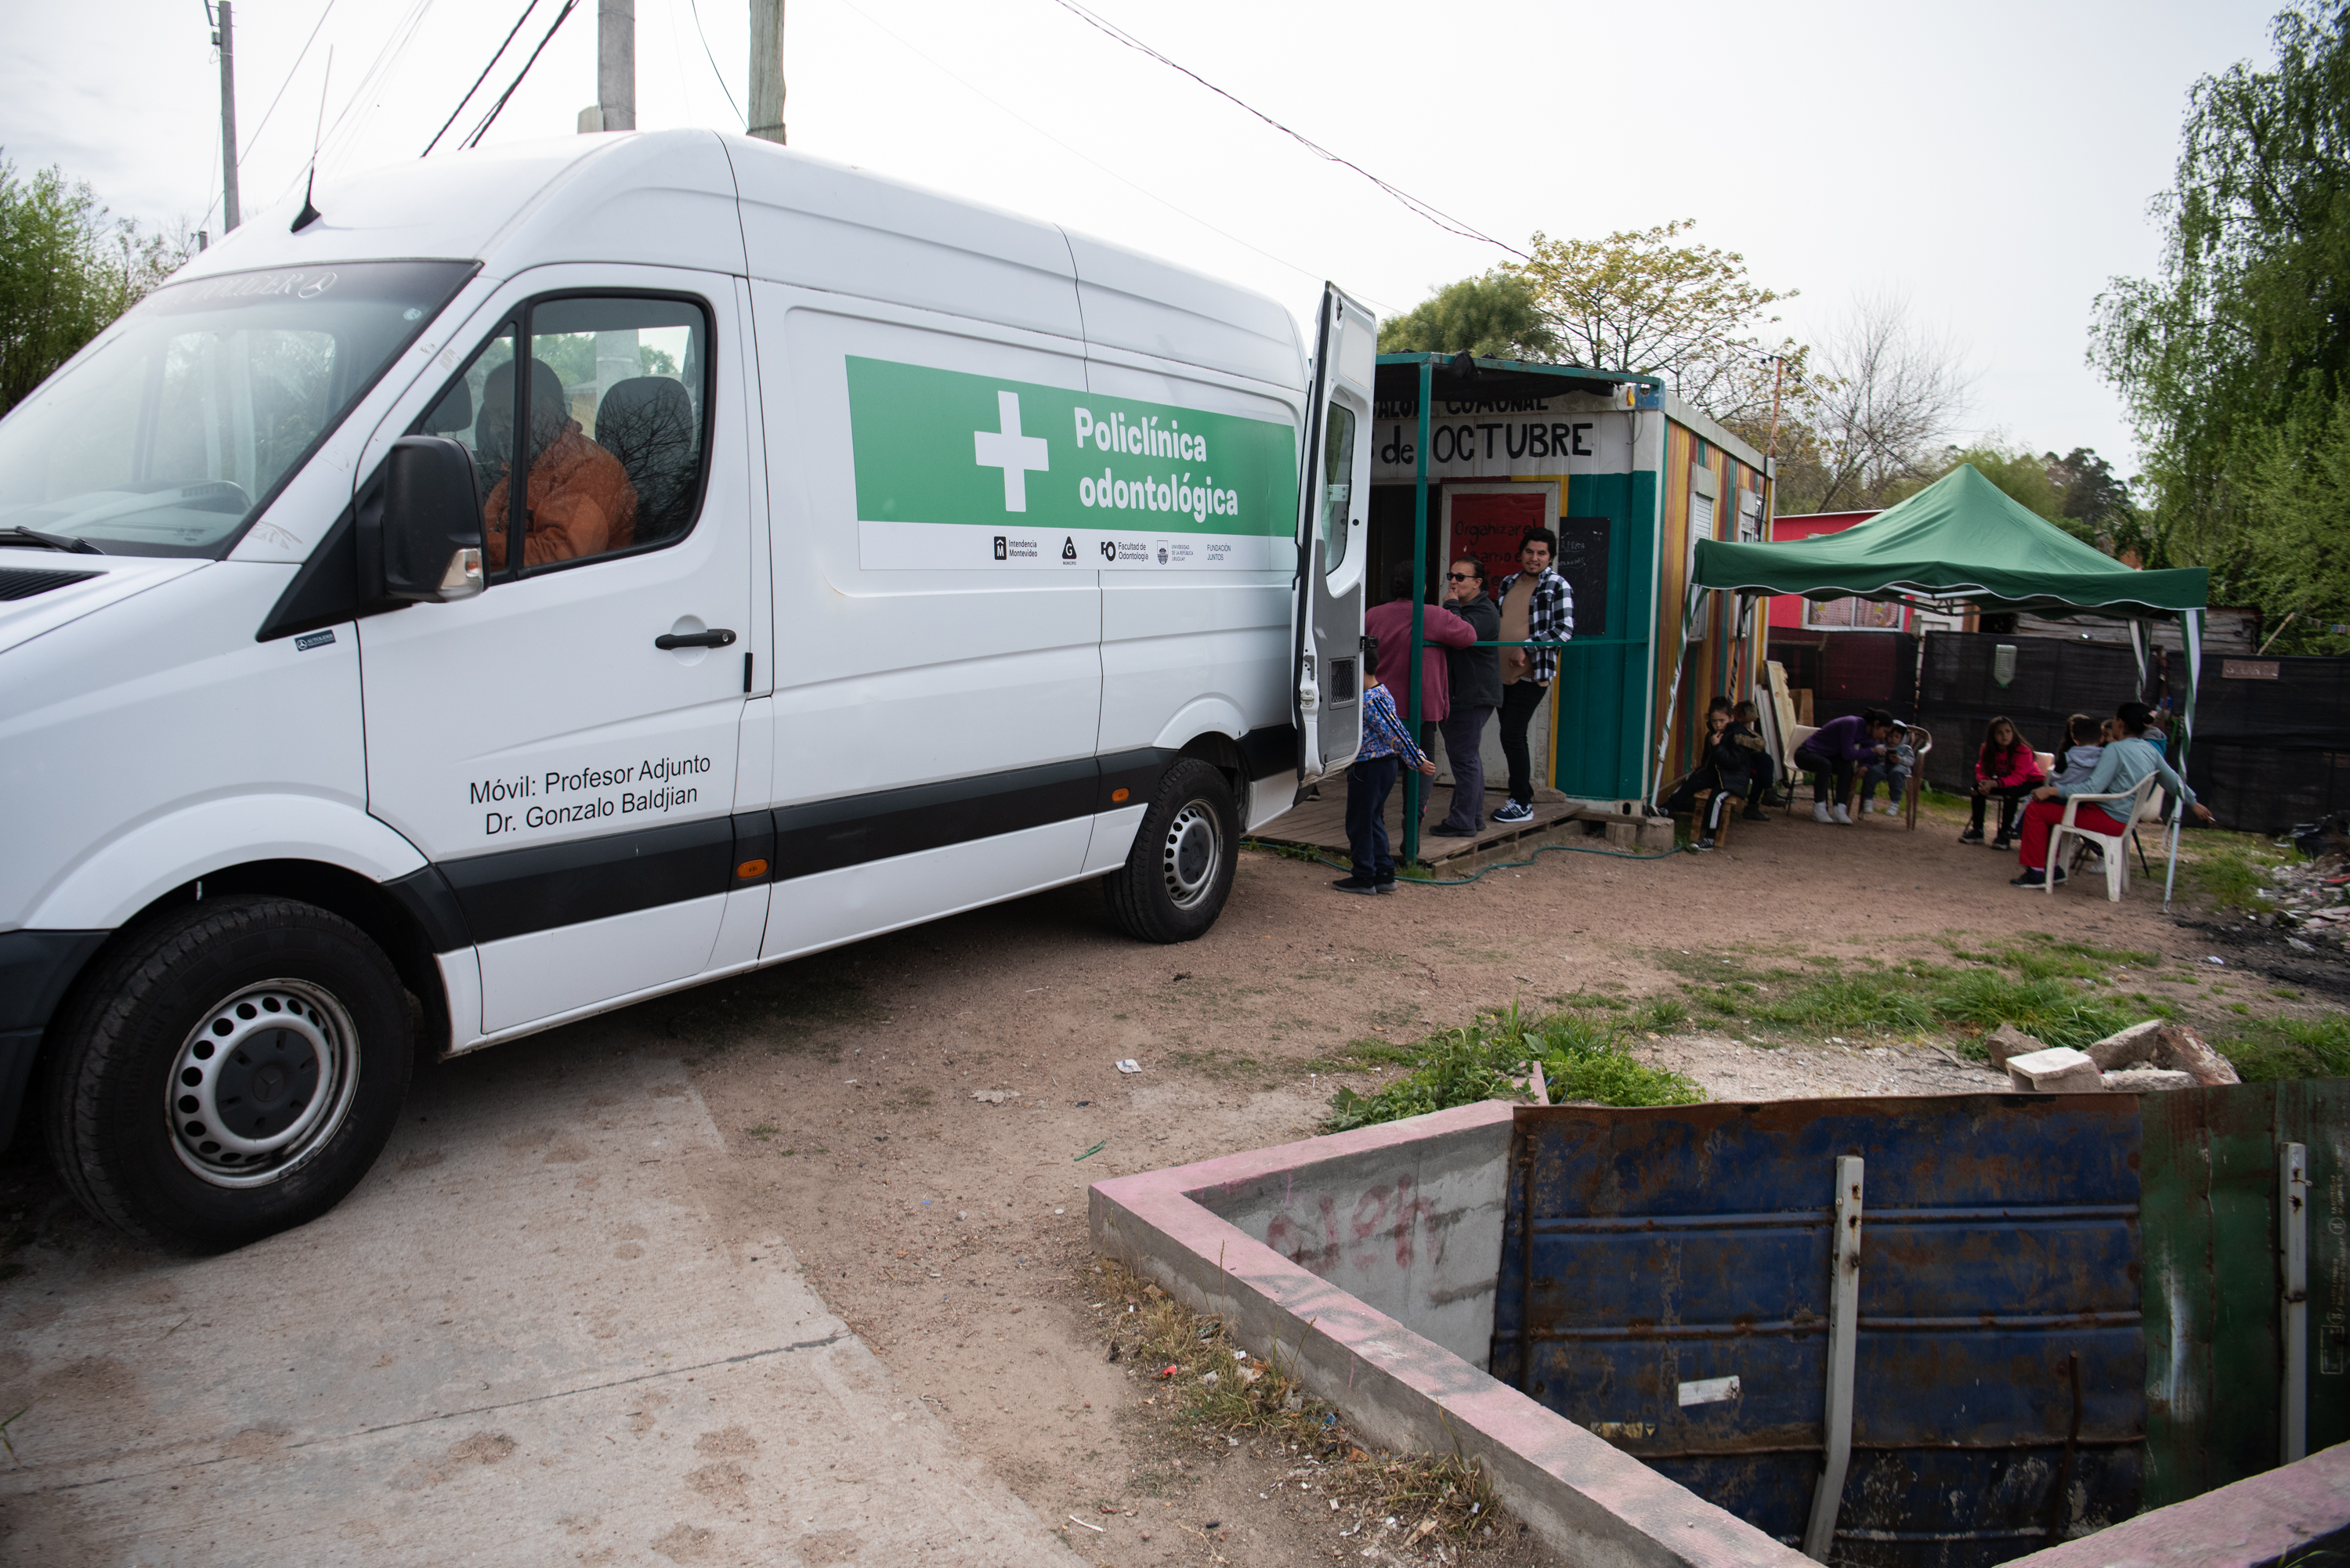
{"x":1488,"y":524}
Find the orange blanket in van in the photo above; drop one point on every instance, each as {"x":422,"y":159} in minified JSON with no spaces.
{"x":581,"y":504}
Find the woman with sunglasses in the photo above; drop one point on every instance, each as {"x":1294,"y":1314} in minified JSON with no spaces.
{"x":1476,"y":676}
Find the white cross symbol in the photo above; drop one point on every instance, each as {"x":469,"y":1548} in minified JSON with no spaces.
{"x":1007,"y":448}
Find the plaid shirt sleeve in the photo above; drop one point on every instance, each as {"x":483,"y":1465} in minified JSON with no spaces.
{"x":1550,"y":617}
{"x":1383,"y":734}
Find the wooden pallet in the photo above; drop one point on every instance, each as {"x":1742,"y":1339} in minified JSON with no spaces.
{"x":1322,"y":824}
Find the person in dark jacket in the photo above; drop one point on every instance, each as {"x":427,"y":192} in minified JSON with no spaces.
{"x":1834,"y":751}
{"x":1476,"y":674}
{"x":1727,"y":758}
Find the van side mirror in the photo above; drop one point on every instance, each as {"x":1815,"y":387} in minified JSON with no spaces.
{"x":430,"y":526}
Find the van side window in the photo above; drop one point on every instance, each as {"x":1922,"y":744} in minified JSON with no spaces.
{"x":613,"y":408}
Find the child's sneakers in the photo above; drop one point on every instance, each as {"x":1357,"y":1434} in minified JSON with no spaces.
{"x":1706,"y":843}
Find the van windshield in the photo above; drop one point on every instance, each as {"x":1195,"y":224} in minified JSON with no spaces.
{"x":168,"y":435}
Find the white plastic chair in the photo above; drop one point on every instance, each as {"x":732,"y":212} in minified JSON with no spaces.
{"x":2113,"y":849}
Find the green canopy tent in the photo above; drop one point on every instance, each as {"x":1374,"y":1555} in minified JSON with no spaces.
{"x":1962,"y":540}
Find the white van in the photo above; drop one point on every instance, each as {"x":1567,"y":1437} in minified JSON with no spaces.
{"x":879,"y":556}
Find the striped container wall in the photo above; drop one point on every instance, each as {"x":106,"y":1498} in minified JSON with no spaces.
{"x":1719,"y":662}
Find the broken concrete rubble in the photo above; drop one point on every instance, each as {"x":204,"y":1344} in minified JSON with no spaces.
{"x":2141,"y":1080}
{"x":2058,"y":1070}
{"x":2164,"y":1045}
{"x":2008,"y":1041}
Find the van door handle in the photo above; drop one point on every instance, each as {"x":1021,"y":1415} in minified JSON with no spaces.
{"x":716,"y":637}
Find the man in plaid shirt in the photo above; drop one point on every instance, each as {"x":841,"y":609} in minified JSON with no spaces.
{"x":1386,"y":749}
{"x":1537,"y":606}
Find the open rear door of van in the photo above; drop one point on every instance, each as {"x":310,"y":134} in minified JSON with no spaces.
{"x":1334,"y":500}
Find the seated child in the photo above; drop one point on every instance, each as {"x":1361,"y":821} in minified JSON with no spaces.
{"x":2004,"y":767}
{"x":1895,"y":761}
{"x":1746,"y":720}
{"x":1725,"y":767}
{"x":2076,"y":759}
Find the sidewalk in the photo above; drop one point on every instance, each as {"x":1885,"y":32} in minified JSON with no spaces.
{"x":521,"y":1341}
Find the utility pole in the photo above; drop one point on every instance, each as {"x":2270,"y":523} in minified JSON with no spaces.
{"x":767,"y":70}
{"x":225,"y":35}
{"x":615,"y":108}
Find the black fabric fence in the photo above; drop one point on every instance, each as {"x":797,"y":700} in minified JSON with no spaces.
{"x":2270,"y":749}
{"x":1848,"y":672}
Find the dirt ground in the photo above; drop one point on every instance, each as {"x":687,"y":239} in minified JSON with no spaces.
{"x":949,"y":1230}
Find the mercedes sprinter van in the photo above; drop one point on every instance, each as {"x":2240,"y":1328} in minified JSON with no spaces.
{"x":535,"y":579}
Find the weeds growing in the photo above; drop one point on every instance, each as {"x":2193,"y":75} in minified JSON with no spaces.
{"x":1218,"y":1390}
{"x":1583,"y":1058}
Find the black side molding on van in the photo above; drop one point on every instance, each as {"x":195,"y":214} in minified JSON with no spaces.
{"x":514,"y":892}
{"x":36,"y":968}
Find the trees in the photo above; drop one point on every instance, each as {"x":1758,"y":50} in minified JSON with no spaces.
{"x":1880,"y":399}
{"x":2234,"y":359}
{"x":67,"y":269}
{"x":1642,"y":300}
{"x":1496,"y":317}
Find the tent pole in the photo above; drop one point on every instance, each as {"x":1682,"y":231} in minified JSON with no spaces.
{"x":1414,"y":787}
{"x":1673,"y":691}
{"x":2191,"y":632}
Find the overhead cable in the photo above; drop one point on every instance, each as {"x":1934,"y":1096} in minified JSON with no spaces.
{"x":492,"y":118}
{"x":246,"y":152}
{"x":489,"y":67}
{"x":696,"y":8}
{"x":1441,"y":219}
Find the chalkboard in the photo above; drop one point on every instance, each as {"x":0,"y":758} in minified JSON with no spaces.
{"x":1582,"y":545}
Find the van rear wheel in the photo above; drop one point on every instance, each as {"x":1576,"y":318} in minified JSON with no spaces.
{"x":1179,"y":872}
{"x":229,"y":1071}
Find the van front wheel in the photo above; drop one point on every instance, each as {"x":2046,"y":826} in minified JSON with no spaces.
{"x":1179,"y":872}
{"x":228,"y":1072}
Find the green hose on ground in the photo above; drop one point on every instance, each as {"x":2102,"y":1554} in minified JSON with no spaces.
{"x":1464,"y":881}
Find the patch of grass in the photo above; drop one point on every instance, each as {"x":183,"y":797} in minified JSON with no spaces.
{"x":1366,"y":1054}
{"x":1218,"y":1390}
{"x":2233,"y":873}
{"x":762,"y":1132}
{"x":1859,"y":1003}
{"x":1215,"y":1062}
{"x":2269,"y":1049}
{"x":2052,"y":1011}
{"x":1583,"y":1058}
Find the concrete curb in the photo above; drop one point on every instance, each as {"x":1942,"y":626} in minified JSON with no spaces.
{"x":2296,"y":1511}
{"x":1598,"y":1505}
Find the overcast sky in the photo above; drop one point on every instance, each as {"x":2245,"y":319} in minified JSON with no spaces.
{"x":1991,"y":165}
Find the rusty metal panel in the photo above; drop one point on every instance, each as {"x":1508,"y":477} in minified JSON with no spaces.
{"x":1999,"y":1385}
{"x":2323,"y":1124}
{"x":2214,"y":1356}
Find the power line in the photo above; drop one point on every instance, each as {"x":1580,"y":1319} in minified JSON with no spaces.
{"x":694,"y":7}
{"x":491,"y":119}
{"x":1411,"y":203}
{"x":379,"y":71}
{"x":478,"y":80}
{"x":1073,"y":152}
{"x":288,"y":82}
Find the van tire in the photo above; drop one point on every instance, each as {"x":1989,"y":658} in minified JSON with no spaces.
{"x":1180,"y":871}
{"x":330,"y":1057}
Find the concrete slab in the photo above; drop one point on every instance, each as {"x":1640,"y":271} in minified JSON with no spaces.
{"x":1388,"y":1207}
{"x":520,"y":1341}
